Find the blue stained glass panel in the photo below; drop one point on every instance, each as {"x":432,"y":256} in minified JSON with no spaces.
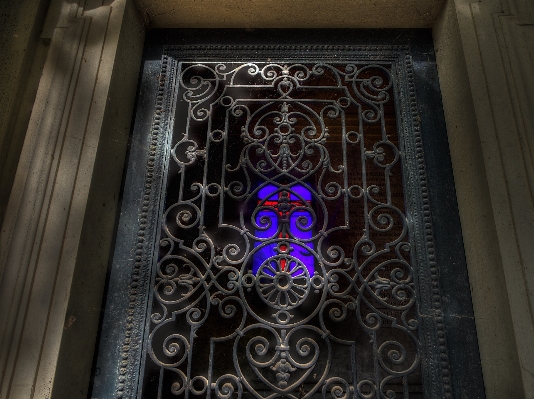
{"x":299,"y":221}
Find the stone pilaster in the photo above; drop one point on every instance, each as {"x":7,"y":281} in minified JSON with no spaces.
{"x":487,"y":79}
{"x":51,"y":197}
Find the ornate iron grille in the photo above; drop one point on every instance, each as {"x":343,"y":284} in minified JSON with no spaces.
{"x":292,"y":253}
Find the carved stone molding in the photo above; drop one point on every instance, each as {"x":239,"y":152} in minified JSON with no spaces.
{"x":485,"y":66}
{"x":42,"y":231}
{"x":498,"y":42}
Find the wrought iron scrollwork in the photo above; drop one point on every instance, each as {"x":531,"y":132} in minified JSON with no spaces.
{"x":284,"y":265}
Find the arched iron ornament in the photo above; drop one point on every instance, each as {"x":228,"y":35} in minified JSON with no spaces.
{"x":364,"y":320}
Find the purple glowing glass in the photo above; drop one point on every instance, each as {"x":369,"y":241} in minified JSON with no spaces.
{"x":298,"y":194}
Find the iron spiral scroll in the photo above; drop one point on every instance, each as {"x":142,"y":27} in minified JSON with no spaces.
{"x":285,"y":256}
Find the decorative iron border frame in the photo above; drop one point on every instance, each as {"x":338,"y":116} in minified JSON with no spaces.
{"x":435,"y":359}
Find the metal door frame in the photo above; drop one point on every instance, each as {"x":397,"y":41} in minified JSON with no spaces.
{"x":455,"y":360}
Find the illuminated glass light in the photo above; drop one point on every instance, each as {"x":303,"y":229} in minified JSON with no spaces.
{"x":286,"y":209}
